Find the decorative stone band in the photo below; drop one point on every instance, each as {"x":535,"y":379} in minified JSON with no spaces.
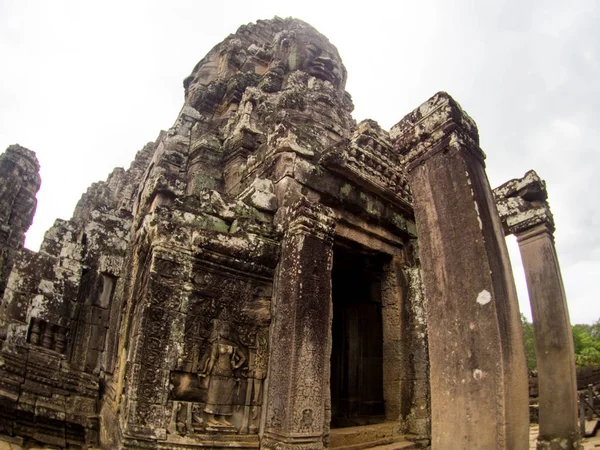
{"x":519,"y":215}
{"x":522,"y":204}
{"x":200,"y":228}
{"x":534,"y":232}
{"x":366,"y":164}
{"x":434,"y":126}
{"x":312,"y":219}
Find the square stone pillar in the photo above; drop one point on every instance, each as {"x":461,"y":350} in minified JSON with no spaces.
{"x":298,"y":400}
{"x":557,"y":381}
{"x":524,"y":211}
{"x":479,"y":393}
{"x":405,"y":356}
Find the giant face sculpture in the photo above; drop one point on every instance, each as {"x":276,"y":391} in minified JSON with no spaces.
{"x":308,"y":51}
{"x":294,"y":46}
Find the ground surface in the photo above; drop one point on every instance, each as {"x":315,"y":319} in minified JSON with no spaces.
{"x":588,"y":443}
{"x":592,"y":443}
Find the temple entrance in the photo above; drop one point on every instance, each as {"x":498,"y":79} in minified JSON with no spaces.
{"x":357,"y":337}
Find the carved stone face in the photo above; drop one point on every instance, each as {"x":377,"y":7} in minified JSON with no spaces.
{"x":222,"y":329}
{"x":321,"y":64}
{"x":299,"y":47}
{"x":313,"y":54}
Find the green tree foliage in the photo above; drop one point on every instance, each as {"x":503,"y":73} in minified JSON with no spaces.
{"x":586,"y":340}
{"x":529,"y":342}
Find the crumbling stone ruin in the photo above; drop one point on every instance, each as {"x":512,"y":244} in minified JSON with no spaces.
{"x":20,"y":182}
{"x":270,"y":274}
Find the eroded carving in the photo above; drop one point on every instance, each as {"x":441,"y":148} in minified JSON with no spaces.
{"x":225,"y":358}
{"x":522,"y":204}
{"x":218,"y":382}
{"x":47,"y":335}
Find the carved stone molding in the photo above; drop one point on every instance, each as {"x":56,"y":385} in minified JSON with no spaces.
{"x":368,"y":159}
{"x":436,"y":125}
{"x":522,"y":204}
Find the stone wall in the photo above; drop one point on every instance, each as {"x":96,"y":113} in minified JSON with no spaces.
{"x":56,"y":309}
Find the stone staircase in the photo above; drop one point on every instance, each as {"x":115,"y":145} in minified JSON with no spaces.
{"x":381,"y":436}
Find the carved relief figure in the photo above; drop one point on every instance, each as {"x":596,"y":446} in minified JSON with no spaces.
{"x":259,"y":372}
{"x":306,"y":423}
{"x":224,"y":358}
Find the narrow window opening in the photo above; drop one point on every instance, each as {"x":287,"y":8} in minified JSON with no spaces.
{"x":108,"y":289}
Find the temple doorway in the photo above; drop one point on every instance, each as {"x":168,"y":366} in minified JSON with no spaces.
{"x":357,"y":337}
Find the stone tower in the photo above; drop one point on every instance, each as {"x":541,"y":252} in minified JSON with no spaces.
{"x":253,"y":279}
{"x":19,"y":172}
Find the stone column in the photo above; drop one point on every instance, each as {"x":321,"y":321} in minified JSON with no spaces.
{"x":19,"y":172}
{"x":298,"y":403}
{"x":525,"y":213}
{"x":479,"y":394}
{"x":155,"y":332}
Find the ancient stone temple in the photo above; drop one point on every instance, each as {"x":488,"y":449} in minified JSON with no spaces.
{"x":268,"y":274}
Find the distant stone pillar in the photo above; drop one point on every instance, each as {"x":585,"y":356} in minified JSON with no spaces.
{"x":479,"y":392}
{"x":19,"y":172}
{"x":525,"y":213}
{"x":298,"y":403}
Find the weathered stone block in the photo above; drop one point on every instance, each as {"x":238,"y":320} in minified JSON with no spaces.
{"x":99,"y":316}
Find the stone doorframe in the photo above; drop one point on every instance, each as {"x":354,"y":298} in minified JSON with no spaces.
{"x":298,"y":412}
{"x":405,"y":352}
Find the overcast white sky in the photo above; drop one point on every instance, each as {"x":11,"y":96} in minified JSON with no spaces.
{"x":86,"y":84}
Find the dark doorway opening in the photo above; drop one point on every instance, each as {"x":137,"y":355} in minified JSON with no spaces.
{"x":357,"y":337}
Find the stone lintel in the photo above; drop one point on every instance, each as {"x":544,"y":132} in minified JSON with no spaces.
{"x":434,"y":126}
{"x":369,"y":159}
{"x":522,"y":204}
{"x":531,"y":186}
